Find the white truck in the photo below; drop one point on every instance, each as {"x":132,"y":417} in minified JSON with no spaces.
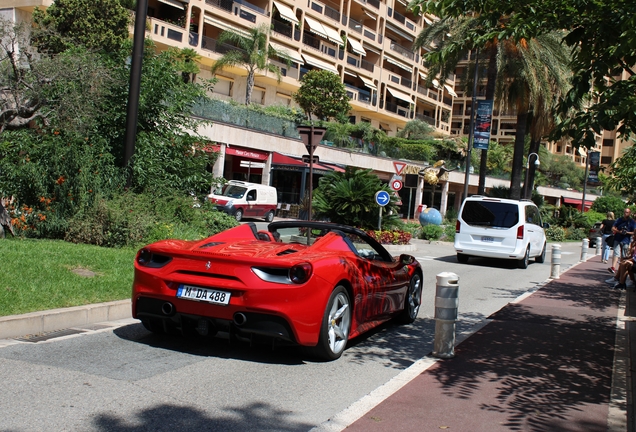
{"x":242,"y":199}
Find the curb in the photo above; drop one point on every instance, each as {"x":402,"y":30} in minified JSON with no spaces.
{"x":35,"y":323}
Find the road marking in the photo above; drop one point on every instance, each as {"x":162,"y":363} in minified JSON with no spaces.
{"x":425,"y":258}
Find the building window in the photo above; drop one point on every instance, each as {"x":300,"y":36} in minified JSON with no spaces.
{"x":606,"y":160}
{"x":223,"y":86}
{"x":608,"y":143}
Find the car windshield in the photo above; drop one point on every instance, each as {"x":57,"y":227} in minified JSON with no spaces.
{"x":233,"y":191}
{"x":490,"y":213}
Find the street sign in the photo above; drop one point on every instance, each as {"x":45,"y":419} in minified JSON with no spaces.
{"x":399,"y":167}
{"x":306,"y":159}
{"x":396,"y":185}
{"x":250,"y":164}
{"x":382,"y":198}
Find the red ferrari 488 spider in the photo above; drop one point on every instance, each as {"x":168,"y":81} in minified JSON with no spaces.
{"x":314,"y":284}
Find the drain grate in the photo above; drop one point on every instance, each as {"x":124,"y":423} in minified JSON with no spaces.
{"x":50,"y":335}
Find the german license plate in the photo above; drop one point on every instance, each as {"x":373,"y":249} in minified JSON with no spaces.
{"x":488,"y":239}
{"x":189,"y":292}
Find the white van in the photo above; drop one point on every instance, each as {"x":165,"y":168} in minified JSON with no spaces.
{"x":242,"y":199}
{"x":500,"y":228}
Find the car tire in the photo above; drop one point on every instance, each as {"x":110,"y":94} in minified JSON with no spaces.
{"x":336,"y":323}
{"x":525,"y":261}
{"x":412,"y":301}
{"x":462,"y":258}
{"x":541,"y":258}
{"x":238,"y":215}
{"x":269,"y":216}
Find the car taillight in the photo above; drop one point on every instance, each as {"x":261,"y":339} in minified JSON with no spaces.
{"x":145,"y":258}
{"x":520,"y":232}
{"x":457,"y":226}
{"x":300,"y":273}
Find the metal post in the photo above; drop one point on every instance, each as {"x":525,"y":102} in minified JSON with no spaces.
{"x":446,"y":305}
{"x":472,"y":125}
{"x":311,"y":171}
{"x":585,"y":244}
{"x":380,"y":219}
{"x":555,"y":269}
{"x":599,"y":244}
{"x":135,"y":84}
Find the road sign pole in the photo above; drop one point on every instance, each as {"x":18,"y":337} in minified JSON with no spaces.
{"x":380,"y":220}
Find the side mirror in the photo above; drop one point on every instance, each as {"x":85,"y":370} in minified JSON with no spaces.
{"x":406,"y":259}
{"x":546,"y":225}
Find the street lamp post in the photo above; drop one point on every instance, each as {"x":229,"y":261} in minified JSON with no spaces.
{"x":528,"y":190}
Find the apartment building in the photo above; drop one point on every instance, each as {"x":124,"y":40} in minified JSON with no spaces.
{"x":367,"y":43}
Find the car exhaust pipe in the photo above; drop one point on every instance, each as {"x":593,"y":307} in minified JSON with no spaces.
{"x":240,"y":319}
{"x":167,"y":308}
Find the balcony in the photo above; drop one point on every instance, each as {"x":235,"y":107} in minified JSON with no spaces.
{"x":283,"y":28}
{"x":398,"y":109}
{"x":356,"y":26}
{"x":405,"y":52}
{"x":357,"y":94}
{"x":311,"y":41}
{"x":425,"y":118}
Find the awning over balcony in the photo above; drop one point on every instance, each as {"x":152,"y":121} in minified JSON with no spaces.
{"x":319,"y":63}
{"x":356,"y":46}
{"x":399,"y":64}
{"x":292,"y":53}
{"x":332,"y":34}
{"x":436,"y":84}
{"x":224,"y":26}
{"x":450,"y":90}
{"x":576,"y":203}
{"x":173,"y":3}
{"x":286,"y":12}
{"x":367,"y":82}
{"x":316,"y":27}
{"x":398,"y":94}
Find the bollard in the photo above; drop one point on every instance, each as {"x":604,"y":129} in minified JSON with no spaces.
{"x":446,"y":303}
{"x":599,"y":243}
{"x":555,"y":269}
{"x":585,"y":244}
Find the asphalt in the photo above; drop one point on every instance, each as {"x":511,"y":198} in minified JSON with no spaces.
{"x":558,"y":359}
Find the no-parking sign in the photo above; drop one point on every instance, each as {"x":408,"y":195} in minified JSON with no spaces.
{"x":396,"y":185}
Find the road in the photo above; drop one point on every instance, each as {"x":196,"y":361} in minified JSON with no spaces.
{"x":123,"y":378}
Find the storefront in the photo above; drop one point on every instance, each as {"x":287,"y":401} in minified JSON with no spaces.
{"x":290,"y":177}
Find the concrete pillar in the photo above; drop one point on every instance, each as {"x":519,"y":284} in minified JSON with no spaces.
{"x":444,"y":202}
{"x":267,"y":171}
{"x":219,"y":165}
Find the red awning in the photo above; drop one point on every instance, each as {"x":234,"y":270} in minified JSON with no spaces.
{"x":250,"y":154}
{"x":281,"y":159}
{"x":576,"y":203}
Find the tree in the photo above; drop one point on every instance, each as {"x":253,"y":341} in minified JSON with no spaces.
{"x":624,"y":173}
{"x":417,"y":130}
{"x":95,"y":24}
{"x":68,"y":88}
{"x":349,"y":198}
{"x":251,"y":52}
{"x":322,"y":93}
{"x":517,"y":74}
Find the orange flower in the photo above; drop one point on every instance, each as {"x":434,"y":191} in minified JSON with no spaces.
{"x":42,"y":199}
{"x":15,"y":221}
{"x":23,"y":218}
{"x":60,"y":180}
{"x":42,"y":217}
{"x":56,"y":133}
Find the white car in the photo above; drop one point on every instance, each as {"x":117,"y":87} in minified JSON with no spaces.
{"x":500,"y":228}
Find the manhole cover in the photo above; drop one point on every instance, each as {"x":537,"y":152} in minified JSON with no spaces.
{"x":49,"y":335}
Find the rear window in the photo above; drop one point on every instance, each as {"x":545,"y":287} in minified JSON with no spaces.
{"x":491,"y":214}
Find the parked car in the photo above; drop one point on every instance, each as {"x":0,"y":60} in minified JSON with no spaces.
{"x":595,"y":234}
{"x":241,"y":199}
{"x":500,"y":228}
{"x":314,"y":284}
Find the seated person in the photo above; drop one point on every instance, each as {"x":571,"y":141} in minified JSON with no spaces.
{"x":626,"y":266}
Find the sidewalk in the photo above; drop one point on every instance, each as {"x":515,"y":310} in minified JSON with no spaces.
{"x":546,"y":363}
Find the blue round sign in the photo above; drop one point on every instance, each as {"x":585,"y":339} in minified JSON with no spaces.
{"x":382,"y":198}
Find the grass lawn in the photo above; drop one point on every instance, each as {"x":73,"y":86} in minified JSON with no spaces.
{"x":47,"y":274}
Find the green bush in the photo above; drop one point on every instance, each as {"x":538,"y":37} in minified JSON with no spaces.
{"x":593,"y":217}
{"x":556,"y":234}
{"x":609,"y":203}
{"x":575,"y":234}
{"x":414,"y":228}
{"x":449,"y":233}
{"x":432,"y":232}
{"x":135,"y":219}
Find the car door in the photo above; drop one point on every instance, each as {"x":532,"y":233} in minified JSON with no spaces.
{"x":251,"y":206}
{"x":534,"y":230}
{"x":385,"y":282}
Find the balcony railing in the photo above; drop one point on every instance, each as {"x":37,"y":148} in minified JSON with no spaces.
{"x":311,"y":41}
{"x":355,"y":26}
{"x":332,"y":13}
{"x":357,"y":94}
{"x":367,"y":65}
{"x":397,"y":109}
{"x":402,"y":50}
{"x":425,"y":118}
{"x":223,"y":4}
{"x":283,"y":28}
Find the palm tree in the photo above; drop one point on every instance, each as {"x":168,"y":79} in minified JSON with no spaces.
{"x":252,"y":52}
{"x":525,"y":76}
